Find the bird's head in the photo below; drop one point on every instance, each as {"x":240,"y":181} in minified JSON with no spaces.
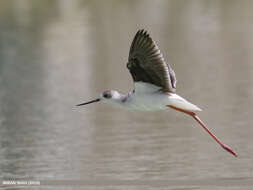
{"x":109,"y":95}
{"x":106,"y":96}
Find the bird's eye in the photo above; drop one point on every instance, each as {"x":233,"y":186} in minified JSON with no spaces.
{"x":107,"y":95}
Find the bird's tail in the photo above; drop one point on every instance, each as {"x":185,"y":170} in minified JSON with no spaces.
{"x":179,"y":102}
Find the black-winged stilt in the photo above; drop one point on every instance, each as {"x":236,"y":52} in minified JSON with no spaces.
{"x":154,"y":84}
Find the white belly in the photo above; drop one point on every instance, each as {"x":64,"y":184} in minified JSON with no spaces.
{"x":147,"y":102}
{"x":148,"y":97}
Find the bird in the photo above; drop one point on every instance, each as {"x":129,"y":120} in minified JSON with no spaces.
{"x":154,"y":84}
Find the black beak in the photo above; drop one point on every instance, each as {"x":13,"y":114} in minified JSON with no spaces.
{"x":92,"y":101}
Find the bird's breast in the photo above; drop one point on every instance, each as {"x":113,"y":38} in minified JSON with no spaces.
{"x":147,"y":101}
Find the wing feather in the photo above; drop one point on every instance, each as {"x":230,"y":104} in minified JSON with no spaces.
{"x":146,"y":63}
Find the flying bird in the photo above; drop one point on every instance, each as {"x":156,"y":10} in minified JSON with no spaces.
{"x":154,"y":84}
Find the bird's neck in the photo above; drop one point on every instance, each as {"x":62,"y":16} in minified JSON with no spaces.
{"x":122,"y":98}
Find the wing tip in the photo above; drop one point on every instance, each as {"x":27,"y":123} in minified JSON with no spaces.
{"x":142,"y":32}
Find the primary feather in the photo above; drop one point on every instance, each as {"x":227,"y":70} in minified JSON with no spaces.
{"x":146,"y":63}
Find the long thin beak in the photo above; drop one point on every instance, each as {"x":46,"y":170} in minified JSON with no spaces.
{"x":92,"y":101}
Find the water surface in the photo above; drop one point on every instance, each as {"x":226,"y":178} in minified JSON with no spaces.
{"x":55,"y":54}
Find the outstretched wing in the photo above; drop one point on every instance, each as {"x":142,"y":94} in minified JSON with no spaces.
{"x":146,"y":63}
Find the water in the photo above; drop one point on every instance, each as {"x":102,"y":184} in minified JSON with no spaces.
{"x":55,"y":54}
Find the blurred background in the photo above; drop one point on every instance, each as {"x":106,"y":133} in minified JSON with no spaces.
{"x":56,"y":54}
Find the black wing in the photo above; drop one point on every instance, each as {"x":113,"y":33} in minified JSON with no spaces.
{"x":146,"y":63}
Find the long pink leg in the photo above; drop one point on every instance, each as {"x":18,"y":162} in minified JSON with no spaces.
{"x":226,"y":147}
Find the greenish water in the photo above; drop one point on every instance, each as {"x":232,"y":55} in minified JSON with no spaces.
{"x":55,"y":54}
